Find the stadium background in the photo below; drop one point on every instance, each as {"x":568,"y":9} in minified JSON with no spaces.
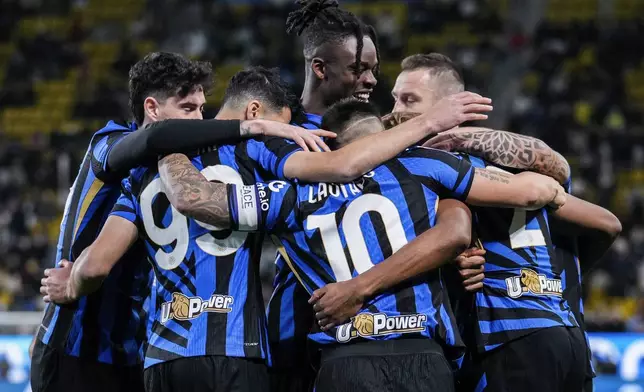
{"x":567,"y":71}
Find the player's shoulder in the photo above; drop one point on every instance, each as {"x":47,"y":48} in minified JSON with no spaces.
{"x":113,"y":126}
{"x":428,"y":153}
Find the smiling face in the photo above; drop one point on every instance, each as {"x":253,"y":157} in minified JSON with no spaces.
{"x":338,"y":73}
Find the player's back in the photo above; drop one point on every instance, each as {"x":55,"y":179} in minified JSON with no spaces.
{"x":337,"y":231}
{"x":523,"y":286}
{"x":208,"y":298}
{"x":106,"y":326}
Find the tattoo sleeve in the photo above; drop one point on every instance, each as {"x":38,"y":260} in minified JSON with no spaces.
{"x":515,"y":151}
{"x":192,"y":194}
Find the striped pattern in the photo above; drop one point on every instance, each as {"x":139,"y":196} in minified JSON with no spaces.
{"x":106,"y":326}
{"x":289,"y":314}
{"x":371,"y":219}
{"x":567,"y":251}
{"x":500,"y":317}
{"x":196,"y":267}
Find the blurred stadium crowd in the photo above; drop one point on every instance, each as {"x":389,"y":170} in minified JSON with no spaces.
{"x":567,"y":71}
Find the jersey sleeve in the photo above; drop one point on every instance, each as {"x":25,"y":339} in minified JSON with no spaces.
{"x":271,"y":153}
{"x":263,"y":207}
{"x":445,"y":173}
{"x":100,"y":148}
{"x":126,"y":206}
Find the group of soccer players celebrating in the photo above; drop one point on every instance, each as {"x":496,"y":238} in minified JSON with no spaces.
{"x":401,"y":267}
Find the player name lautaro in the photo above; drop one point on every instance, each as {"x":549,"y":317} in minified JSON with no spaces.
{"x":323,"y":190}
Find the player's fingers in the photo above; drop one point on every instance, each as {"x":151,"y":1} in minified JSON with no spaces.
{"x":473,"y":251}
{"x":64,"y":263}
{"x":474,"y":117}
{"x":317,"y":144}
{"x":317,"y":295}
{"x":43,"y":290}
{"x":471,"y":98}
{"x":474,"y":287}
{"x":321,"y":315}
{"x":328,"y":326}
{"x":47,"y":299}
{"x":323,"y":133}
{"x":43,"y":282}
{"x":323,"y":321}
{"x":477,"y":108}
{"x":47,"y":272}
{"x":474,"y":279}
{"x":471,"y":272}
{"x":300,"y":142}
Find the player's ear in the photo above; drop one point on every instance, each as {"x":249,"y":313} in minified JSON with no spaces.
{"x":151,"y":108}
{"x":253,"y":110}
{"x":319,"y":68}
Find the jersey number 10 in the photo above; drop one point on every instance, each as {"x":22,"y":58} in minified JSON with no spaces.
{"x":353,"y":235}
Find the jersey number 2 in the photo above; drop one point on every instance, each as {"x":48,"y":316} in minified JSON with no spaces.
{"x":353,"y":235}
{"x":177,"y":231}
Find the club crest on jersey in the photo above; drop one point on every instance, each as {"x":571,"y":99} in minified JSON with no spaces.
{"x":379,"y":324}
{"x":530,"y":281}
{"x":183,"y":308}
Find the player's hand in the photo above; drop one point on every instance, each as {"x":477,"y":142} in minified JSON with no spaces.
{"x":54,"y":284}
{"x":394,"y":119}
{"x":560,"y":198}
{"x":452,"y":140}
{"x":471,"y":266}
{"x":456,"y":109}
{"x":309,"y":140}
{"x":335,"y":303}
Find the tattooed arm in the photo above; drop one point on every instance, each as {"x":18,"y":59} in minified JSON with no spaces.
{"x":192,"y":194}
{"x":505,"y":149}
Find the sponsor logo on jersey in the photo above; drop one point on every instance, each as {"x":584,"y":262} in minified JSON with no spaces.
{"x":183,"y":308}
{"x":379,"y":324}
{"x":530,"y":281}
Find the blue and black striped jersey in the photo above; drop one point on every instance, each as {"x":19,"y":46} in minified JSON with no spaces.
{"x":523,"y":286}
{"x":333,"y":232}
{"x":208,"y":297}
{"x":567,"y":250}
{"x":290,"y":316}
{"x":106,"y":326}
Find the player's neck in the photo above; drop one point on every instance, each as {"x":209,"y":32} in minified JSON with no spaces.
{"x":312,"y":100}
{"x":228,"y":114}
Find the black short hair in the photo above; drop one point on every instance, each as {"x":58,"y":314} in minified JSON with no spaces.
{"x":164,"y":75}
{"x":345,"y":112}
{"x":435,"y":63}
{"x":323,"y":21}
{"x":262,"y":84}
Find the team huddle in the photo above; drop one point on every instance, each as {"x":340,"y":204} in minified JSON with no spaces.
{"x":413,"y":254}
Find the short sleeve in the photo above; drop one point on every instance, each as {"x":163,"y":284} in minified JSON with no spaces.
{"x":263,"y":207}
{"x":271,"y":153}
{"x":447,"y":174}
{"x":126,"y":207}
{"x":101,"y":145}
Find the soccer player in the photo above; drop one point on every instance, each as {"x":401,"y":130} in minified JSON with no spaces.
{"x":94,"y":344}
{"x":374,"y":216}
{"x":341,"y":60}
{"x":215,"y":337}
{"x":524,"y":309}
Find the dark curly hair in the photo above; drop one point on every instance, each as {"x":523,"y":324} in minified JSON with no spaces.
{"x":163,"y":75}
{"x":262,"y":84}
{"x":323,"y":21}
